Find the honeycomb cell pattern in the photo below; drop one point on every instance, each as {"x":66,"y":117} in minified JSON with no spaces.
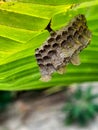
{"x":63,"y":47}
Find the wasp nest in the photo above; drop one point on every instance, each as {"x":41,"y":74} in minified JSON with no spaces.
{"x":63,"y":47}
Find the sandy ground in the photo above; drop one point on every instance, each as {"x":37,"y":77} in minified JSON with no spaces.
{"x":41,"y":113}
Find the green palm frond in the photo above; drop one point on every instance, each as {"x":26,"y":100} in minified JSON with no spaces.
{"x":22,"y":30}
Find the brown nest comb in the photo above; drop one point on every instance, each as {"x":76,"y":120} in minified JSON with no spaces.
{"x":63,"y":47}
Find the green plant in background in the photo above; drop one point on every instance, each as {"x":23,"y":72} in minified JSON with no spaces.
{"x":22,"y":30}
{"x":5,"y":98}
{"x":81,"y":106}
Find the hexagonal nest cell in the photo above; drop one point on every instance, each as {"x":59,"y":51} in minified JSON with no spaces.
{"x":63,"y":47}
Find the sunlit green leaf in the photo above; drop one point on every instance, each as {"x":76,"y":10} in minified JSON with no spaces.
{"x":22,"y":30}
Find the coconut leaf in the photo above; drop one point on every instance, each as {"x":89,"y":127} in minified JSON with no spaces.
{"x":22,"y":30}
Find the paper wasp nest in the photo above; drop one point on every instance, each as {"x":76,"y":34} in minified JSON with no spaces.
{"x":63,"y":47}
